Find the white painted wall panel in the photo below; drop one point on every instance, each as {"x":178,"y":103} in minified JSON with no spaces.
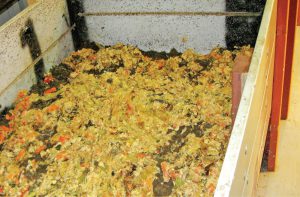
{"x":12,"y":11}
{"x":160,"y":33}
{"x":16,"y":71}
{"x":154,"y":5}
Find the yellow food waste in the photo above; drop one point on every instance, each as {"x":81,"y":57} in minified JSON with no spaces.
{"x":118,"y":122}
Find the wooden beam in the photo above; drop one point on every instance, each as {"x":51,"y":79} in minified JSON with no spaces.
{"x":289,"y":58}
{"x":298,"y":13}
{"x":278,"y":81}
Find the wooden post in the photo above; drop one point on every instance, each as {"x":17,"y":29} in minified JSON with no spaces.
{"x":279,"y":70}
{"x":289,"y":58}
{"x":298,"y":14}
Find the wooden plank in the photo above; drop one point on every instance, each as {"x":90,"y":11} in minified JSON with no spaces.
{"x":240,"y":168}
{"x":289,"y":58}
{"x":16,"y":69}
{"x":263,"y":123}
{"x":298,"y":13}
{"x":259,"y":117}
{"x":280,"y":57}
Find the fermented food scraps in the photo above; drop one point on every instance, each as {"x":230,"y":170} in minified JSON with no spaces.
{"x":117,"y":122}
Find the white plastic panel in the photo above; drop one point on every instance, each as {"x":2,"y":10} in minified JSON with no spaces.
{"x":12,"y":11}
{"x":160,"y":33}
{"x":16,"y":71}
{"x":154,"y":5}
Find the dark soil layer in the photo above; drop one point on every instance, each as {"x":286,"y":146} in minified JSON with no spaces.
{"x":243,"y":30}
{"x":161,"y":55}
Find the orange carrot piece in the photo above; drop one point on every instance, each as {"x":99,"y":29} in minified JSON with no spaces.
{"x":211,"y":188}
{"x":4,"y":128}
{"x":160,"y":64}
{"x":51,"y":90}
{"x":21,"y":154}
{"x":9,"y":117}
{"x":61,"y":155}
{"x":24,"y":191}
{"x":2,"y":137}
{"x":164,"y":169}
{"x":141,"y":155}
{"x":129,"y":110}
{"x":52,"y":108}
{"x":215,"y":55}
{"x":48,"y":79}
{"x":40,"y":149}
{"x":63,"y":139}
{"x":21,"y":94}
{"x":23,"y":104}
{"x":173,"y":175}
{"x":198,"y":169}
{"x":110,"y":90}
{"x":92,"y":57}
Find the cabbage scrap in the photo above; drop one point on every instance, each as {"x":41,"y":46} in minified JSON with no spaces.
{"x":120,"y":123}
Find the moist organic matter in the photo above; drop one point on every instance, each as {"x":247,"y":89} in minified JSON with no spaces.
{"x":116,"y":122}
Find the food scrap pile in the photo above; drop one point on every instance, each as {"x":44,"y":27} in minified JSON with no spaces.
{"x":120,"y":122}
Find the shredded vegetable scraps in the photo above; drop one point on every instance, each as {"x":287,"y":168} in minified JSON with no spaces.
{"x":119,"y":122}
